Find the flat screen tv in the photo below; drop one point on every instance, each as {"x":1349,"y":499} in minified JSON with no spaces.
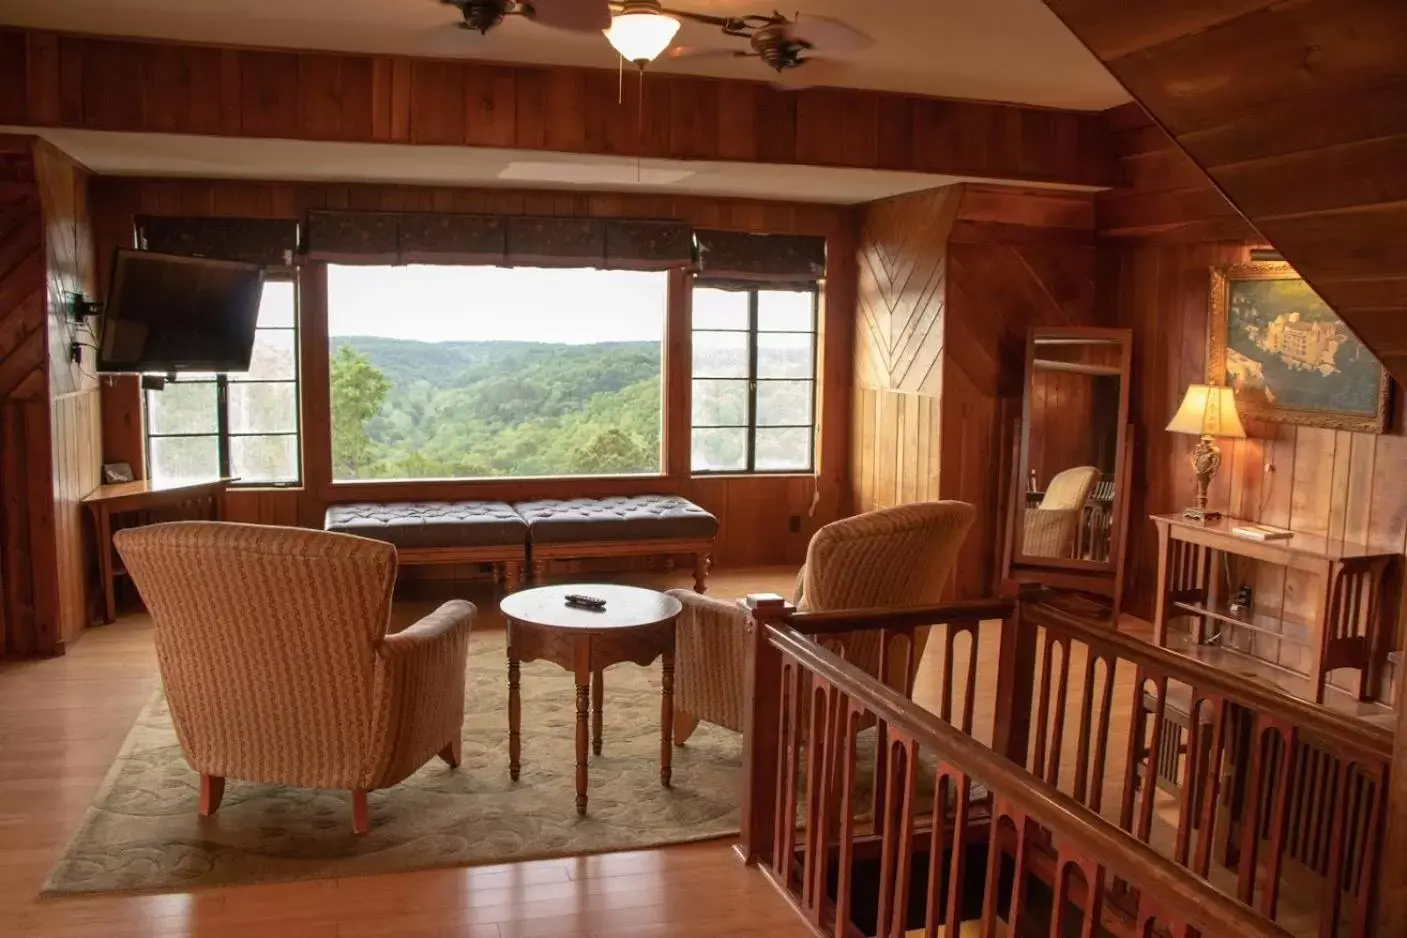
{"x":168,"y":313}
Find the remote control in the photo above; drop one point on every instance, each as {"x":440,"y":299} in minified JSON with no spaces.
{"x":585,"y":602}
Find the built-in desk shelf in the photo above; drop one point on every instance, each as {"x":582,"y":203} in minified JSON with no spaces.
{"x":1347,"y":629}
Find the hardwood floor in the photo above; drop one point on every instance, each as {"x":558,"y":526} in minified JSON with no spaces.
{"x":63,"y":720}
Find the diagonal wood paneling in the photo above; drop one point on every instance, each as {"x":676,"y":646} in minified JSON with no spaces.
{"x":1296,"y":111}
{"x":903,"y":261}
{"x":949,"y":281}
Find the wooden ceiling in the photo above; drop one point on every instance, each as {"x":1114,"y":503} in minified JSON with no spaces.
{"x":1297,"y":109}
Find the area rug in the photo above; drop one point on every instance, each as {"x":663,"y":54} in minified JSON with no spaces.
{"x":143,"y":832}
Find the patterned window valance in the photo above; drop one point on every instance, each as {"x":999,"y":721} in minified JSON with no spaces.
{"x":270,"y":241}
{"x":528,"y":241}
{"x":732,"y":255}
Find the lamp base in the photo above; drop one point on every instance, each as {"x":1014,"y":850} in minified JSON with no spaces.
{"x":1201,"y":514}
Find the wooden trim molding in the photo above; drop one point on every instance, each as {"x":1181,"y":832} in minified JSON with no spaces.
{"x":64,"y":80}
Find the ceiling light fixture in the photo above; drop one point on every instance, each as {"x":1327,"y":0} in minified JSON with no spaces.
{"x":641,"y":31}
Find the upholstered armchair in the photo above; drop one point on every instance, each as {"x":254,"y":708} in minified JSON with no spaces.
{"x":892,"y":557}
{"x":277,"y":667}
{"x":1052,"y":528}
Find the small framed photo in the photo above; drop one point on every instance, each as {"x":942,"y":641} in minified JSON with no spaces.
{"x":115,"y":472}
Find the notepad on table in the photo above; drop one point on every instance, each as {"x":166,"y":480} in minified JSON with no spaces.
{"x":1262,"y":532}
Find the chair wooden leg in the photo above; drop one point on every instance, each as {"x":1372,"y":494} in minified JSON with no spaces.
{"x":451,"y":753}
{"x":361,"y":820}
{"x":684,"y":726}
{"x":212,"y":792}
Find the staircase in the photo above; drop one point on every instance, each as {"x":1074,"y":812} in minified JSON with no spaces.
{"x":1083,"y":805}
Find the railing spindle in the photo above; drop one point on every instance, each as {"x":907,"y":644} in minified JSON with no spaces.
{"x":1082,"y":767}
{"x":1150,"y":780}
{"x":850,"y":716}
{"x":1211,"y":788}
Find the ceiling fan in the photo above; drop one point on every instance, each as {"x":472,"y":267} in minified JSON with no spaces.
{"x":640,"y":30}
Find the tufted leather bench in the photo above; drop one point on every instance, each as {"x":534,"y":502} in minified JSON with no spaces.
{"x":618,"y":526}
{"x":441,"y":532}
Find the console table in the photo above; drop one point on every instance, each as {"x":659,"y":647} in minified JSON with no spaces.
{"x":1347,"y":628}
{"x":206,"y":499}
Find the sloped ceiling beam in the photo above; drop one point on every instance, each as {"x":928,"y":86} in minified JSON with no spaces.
{"x":1297,"y":109}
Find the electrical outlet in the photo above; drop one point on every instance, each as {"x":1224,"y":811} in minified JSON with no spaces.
{"x":794,"y":524}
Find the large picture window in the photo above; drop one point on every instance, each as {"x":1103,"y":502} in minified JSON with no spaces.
{"x":241,"y":425}
{"x":445,"y":372}
{"x":754,"y":370}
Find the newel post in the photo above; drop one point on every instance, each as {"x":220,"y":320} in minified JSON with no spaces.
{"x":761,"y":718}
{"x":1016,"y":678}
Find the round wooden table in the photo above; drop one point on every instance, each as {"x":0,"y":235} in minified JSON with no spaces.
{"x":637,"y":625}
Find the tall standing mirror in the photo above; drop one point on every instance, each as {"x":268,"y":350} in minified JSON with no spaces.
{"x":1069,"y":504}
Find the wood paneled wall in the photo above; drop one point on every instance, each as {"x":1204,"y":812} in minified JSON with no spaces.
{"x":1063,"y":414}
{"x":1309,"y":479}
{"x":950,"y":281}
{"x":158,"y":87}
{"x":49,"y":450}
{"x":1154,"y":278}
{"x":899,"y":332}
{"x":756,"y":512}
{"x":1296,"y":111}
{"x":75,"y":408}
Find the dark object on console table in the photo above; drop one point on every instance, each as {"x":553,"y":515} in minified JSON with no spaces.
{"x":193,"y":501}
{"x":442,"y":532}
{"x":619,"y":526}
{"x":1347,"y":629}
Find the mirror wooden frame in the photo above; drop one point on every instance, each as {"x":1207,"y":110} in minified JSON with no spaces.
{"x":1098,"y":577}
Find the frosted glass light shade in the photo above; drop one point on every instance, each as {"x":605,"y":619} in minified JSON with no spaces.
{"x":1208,"y":411}
{"x":640,"y":36}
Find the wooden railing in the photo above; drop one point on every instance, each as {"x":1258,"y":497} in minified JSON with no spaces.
{"x":1278,"y":802}
{"x":950,"y":830}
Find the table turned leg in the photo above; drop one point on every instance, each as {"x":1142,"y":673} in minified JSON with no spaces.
{"x":583,"y":692}
{"x":105,"y":566}
{"x":598,"y":697}
{"x":515,"y":717}
{"x":666,"y":718}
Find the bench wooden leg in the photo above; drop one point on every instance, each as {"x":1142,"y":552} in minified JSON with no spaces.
{"x":539,"y":572}
{"x":512,"y":575}
{"x":701,"y":565}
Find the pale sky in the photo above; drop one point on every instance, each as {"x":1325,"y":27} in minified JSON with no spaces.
{"x":434,"y":303}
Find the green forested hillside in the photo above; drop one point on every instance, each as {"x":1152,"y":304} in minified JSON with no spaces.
{"x":407,"y":409}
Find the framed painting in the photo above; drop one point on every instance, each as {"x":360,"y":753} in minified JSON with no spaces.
{"x":1288,"y":355}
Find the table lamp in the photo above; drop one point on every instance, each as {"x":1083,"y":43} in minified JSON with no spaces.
{"x":1208,"y":412}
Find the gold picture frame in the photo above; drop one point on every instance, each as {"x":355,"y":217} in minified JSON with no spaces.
{"x":1289,"y":356}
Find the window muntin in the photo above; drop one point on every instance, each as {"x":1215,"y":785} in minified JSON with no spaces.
{"x":754,"y":388}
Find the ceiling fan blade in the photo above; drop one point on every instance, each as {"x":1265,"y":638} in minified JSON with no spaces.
{"x":697,"y":52}
{"x":578,"y":15}
{"x":828,"y":33}
{"x":811,"y":72}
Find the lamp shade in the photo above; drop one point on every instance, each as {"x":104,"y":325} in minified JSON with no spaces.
{"x":1208,"y":411}
{"x":641,"y":32}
